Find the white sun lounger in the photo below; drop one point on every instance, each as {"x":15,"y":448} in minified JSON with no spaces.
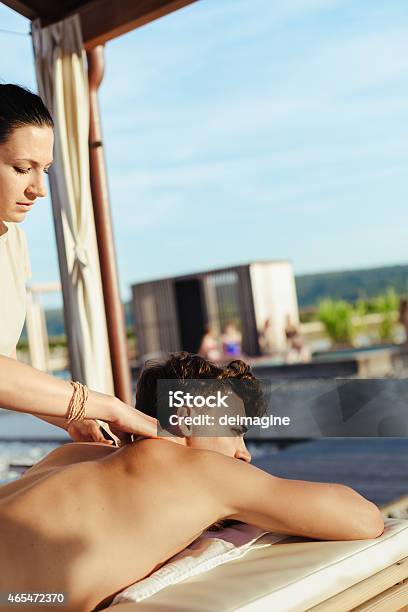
{"x":295,"y":575}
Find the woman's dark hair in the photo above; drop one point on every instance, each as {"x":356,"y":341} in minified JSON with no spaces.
{"x":20,"y":107}
{"x":184,"y":366}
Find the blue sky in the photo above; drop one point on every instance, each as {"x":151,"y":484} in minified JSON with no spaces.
{"x":237,"y":131}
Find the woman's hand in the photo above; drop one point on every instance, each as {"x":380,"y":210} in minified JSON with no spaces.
{"x":127,"y":420}
{"x":87,"y":431}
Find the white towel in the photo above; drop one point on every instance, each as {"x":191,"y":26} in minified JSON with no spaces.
{"x":212,"y":548}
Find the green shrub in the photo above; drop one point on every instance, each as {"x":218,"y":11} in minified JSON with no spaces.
{"x":387,"y":304}
{"x":337,"y":317}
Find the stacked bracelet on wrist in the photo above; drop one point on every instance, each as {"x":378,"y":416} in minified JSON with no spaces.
{"x":76,"y":408}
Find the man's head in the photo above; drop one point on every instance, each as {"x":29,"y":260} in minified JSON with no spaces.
{"x":245,"y":393}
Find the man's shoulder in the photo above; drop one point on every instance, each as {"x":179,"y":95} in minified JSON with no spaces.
{"x":164,"y":449}
{"x":206,"y":474}
{"x":201,"y":464}
{"x":166,"y":452}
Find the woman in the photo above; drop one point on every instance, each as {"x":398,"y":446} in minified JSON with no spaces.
{"x":26,"y":144}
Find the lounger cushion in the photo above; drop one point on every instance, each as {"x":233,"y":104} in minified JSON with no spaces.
{"x":290,"y":576}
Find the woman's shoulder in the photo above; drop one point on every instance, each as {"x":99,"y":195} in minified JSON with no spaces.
{"x":18,"y":247}
{"x":15,"y":235}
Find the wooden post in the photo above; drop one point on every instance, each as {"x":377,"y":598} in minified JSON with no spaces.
{"x":115,"y":319}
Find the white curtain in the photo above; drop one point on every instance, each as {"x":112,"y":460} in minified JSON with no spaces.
{"x":61,"y":70}
{"x":37,"y":333}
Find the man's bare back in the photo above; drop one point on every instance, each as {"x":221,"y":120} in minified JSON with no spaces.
{"x":88,"y":520}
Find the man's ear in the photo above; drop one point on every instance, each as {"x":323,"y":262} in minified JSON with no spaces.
{"x":185,"y":411}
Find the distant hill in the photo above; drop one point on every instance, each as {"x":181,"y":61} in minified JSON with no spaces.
{"x":350,"y":285}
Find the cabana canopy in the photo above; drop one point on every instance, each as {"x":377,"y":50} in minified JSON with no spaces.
{"x":101,"y":20}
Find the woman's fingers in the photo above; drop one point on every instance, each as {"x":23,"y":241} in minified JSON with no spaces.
{"x":86,"y":431}
{"x":122,"y":436}
{"x":131,"y":420}
{"x":97,"y":436}
{"x":75,"y":436}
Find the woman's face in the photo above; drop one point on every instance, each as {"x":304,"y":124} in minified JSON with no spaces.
{"x":24,"y":160}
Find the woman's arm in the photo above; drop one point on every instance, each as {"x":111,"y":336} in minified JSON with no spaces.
{"x":57,"y":421}
{"x":25,"y":389}
{"x":83,"y":431}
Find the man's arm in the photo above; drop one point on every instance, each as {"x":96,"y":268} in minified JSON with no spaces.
{"x":323,"y":511}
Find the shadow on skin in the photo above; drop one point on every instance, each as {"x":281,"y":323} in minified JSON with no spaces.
{"x":17,"y":540}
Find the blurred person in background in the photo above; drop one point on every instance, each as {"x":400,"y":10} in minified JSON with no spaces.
{"x":403,"y":316}
{"x":231,"y":340}
{"x":265,"y":338}
{"x":210,"y":345}
{"x":296,"y":349}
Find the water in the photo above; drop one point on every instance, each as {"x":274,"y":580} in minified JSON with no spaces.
{"x":21,"y":426}
{"x":25,"y":439}
{"x":21,"y":452}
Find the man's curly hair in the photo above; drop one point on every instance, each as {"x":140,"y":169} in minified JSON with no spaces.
{"x":184,"y":366}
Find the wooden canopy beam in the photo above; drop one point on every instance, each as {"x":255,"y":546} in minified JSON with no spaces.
{"x":22,"y":8}
{"x":101,"y":20}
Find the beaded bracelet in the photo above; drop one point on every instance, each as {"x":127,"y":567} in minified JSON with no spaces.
{"x":76,"y":408}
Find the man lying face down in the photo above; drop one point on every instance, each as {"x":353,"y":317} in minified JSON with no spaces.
{"x":89,"y":520}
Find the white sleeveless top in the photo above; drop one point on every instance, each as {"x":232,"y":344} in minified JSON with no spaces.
{"x":15,"y":269}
